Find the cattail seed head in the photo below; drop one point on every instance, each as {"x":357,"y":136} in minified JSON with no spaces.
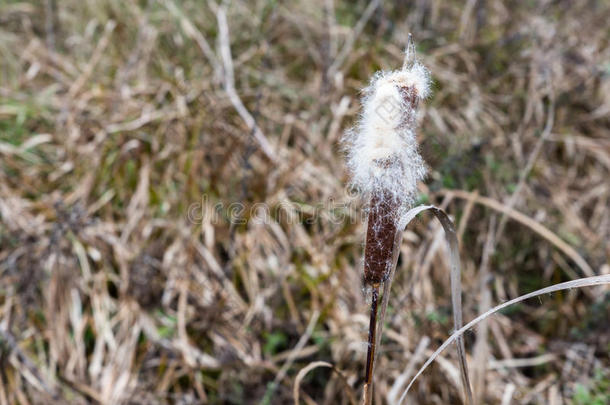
{"x":381,"y":149}
{"x":383,"y":159}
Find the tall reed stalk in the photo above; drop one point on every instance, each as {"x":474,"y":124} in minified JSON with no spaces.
{"x":385,"y":165}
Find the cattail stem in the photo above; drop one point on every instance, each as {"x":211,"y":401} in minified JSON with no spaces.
{"x":370,"y":356}
{"x":372,"y":336}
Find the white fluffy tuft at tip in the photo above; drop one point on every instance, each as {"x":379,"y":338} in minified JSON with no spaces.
{"x":382,"y":152}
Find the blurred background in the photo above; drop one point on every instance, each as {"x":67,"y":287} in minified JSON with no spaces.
{"x":175,"y":225}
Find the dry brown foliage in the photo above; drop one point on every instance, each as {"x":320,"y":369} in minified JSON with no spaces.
{"x":123,"y":124}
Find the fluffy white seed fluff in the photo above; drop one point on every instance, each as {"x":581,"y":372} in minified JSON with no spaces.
{"x":382,"y":152}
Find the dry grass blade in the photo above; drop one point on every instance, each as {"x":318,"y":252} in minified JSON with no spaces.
{"x":512,"y":201}
{"x":581,"y":282}
{"x":456,"y":285}
{"x":303,"y":372}
{"x":456,"y":294}
{"x":398,"y":384}
{"x":95,"y":58}
{"x":229,"y":85}
{"x":29,"y":369}
{"x":192,"y":32}
{"x":529,"y":222}
{"x":349,"y":43}
{"x":291,"y":358}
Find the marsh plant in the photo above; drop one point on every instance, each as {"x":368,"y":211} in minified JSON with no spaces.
{"x":385,"y":167}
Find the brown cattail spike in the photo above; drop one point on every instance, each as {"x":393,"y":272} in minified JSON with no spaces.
{"x":381,"y":230}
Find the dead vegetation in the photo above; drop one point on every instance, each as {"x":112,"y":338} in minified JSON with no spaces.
{"x":124,"y":125}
